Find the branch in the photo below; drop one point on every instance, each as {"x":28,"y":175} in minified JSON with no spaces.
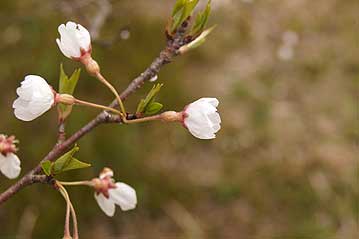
{"x":164,"y":58}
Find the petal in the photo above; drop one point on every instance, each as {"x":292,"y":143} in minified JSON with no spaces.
{"x":63,"y":49}
{"x":213,"y":101}
{"x":68,"y":40}
{"x":107,"y":205}
{"x":124,"y":196}
{"x":2,"y":159}
{"x":24,"y":114}
{"x":10,"y":166}
{"x":85,"y":38}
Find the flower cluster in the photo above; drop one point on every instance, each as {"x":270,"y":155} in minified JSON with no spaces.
{"x":36,"y":96}
{"x":9,"y":162}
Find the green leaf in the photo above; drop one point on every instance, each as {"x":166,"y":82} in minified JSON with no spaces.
{"x":67,"y":162}
{"x":144,"y":103}
{"x":201,"y":20}
{"x":141,"y":106}
{"x":67,"y":86}
{"x":76,"y":164}
{"x":178,"y":5}
{"x":182,"y":10}
{"x":46,"y":167}
{"x":153,"y":108}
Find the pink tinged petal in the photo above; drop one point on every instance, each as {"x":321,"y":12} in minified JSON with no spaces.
{"x":10,"y":166}
{"x":106,"y":205}
{"x":124,"y":196}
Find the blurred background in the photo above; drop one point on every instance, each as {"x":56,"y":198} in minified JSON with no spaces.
{"x":284,"y":165}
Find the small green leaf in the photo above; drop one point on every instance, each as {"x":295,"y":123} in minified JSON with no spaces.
{"x":46,"y":167}
{"x":141,"y":106}
{"x":67,"y":162}
{"x":178,"y":5}
{"x":76,"y":164}
{"x":153,"y":108}
{"x":182,"y":10}
{"x":144,"y":103}
{"x":201,"y":20}
{"x":67,"y":86}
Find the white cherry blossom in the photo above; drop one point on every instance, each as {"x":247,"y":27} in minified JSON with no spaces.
{"x":35,"y":98}
{"x":202,"y":119}
{"x":75,"y":40}
{"x":108,"y":194}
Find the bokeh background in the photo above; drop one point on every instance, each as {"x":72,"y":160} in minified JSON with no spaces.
{"x":284,"y":165}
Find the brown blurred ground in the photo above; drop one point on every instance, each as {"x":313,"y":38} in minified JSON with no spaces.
{"x":284,"y":165}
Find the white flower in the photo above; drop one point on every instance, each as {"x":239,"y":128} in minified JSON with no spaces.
{"x":35,"y":98}
{"x":202,"y":119}
{"x":122,"y":195}
{"x":75,"y":40}
{"x":10,"y":165}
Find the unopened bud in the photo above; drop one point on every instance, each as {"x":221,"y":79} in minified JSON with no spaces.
{"x":196,"y":42}
{"x":106,"y":173}
{"x":65,"y":99}
{"x":7,"y":144}
{"x":171,"y":116}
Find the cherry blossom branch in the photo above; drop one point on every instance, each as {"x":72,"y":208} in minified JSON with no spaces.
{"x":173,"y":45}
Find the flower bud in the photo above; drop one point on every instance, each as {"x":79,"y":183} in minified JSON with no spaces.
{"x":197,"y":42}
{"x":7,"y":144}
{"x":106,"y":173}
{"x":202,"y":119}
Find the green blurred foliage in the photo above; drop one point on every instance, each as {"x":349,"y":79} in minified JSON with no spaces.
{"x":284,"y":164}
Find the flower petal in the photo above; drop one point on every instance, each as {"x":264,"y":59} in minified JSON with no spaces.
{"x":10,"y":165}
{"x":106,"y":205}
{"x":124,"y":196}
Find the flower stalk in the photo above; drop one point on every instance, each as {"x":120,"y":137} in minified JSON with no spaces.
{"x":102,"y":79}
{"x":79,"y":183}
{"x":69,"y":209}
